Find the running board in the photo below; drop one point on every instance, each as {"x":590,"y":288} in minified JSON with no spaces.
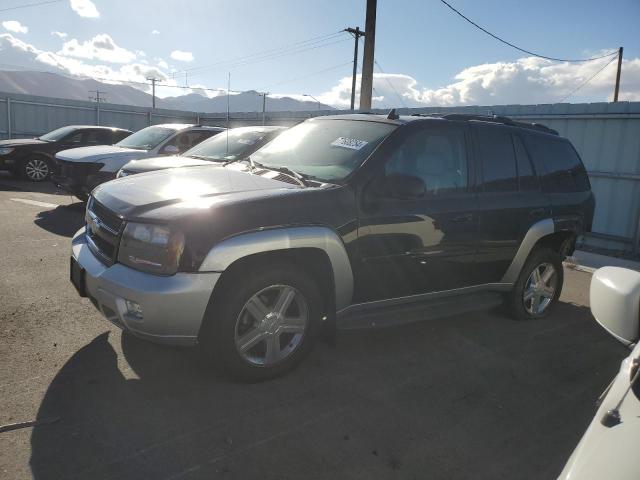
{"x":374,"y":315}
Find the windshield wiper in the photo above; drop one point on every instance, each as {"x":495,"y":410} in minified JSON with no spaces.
{"x":201,"y":157}
{"x":292,"y":173}
{"x":302,"y":178}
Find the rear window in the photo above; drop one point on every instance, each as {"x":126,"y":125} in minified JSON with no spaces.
{"x":562,"y":169}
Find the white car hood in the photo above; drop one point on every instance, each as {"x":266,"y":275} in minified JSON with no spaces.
{"x":610,"y":453}
{"x":100,"y":153}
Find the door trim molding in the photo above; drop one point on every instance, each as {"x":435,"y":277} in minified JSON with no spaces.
{"x":423,"y":297}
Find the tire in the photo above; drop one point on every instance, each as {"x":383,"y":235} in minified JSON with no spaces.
{"x":245,"y":310}
{"x":536,"y":295}
{"x":36,"y":168}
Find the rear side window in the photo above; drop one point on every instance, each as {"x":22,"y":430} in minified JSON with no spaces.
{"x":526,"y":175}
{"x":563,"y":170}
{"x":97,"y":137}
{"x":119,"y":135}
{"x":498,"y":160}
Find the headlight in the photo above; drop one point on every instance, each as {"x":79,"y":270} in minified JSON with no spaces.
{"x":151,"y":248}
{"x":6,"y":150}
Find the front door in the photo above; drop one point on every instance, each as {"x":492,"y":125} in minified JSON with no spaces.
{"x":421,"y":243}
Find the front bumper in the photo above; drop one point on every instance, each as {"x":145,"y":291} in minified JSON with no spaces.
{"x":79,"y":178}
{"x":173,"y":307}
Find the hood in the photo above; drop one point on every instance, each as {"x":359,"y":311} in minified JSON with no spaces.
{"x":603,"y":447}
{"x":100,"y":153}
{"x":169,"y":194}
{"x":16,"y":142}
{"x":160,"y":163}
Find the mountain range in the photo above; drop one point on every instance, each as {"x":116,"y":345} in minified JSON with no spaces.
{"x":46,"y":84}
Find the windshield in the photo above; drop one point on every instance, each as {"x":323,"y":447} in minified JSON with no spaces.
{"x":57,"y":134}
{"x":328,"y":150}
{"x":232,"y":144}
{"x":147,"y":138}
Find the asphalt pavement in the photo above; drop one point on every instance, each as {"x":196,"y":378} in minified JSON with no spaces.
{"x":476,"y":396}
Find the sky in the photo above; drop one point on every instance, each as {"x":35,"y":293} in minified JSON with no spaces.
{"x":426,"y":55}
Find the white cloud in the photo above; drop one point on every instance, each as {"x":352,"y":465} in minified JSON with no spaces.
{"x":525,"y":81}
{"x":182,"y":56}
{"x":58,"y":34}
{"x":14,"y":26}
{"x":101,"y":47}
{"x":162,"y":64}
{"x":18,"y":52}
{"x":84,"y":8}
{"x":155,"y":32}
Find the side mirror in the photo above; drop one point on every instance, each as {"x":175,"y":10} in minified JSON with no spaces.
{"x":171,"y":150}
{"x":404,"y":187}
{"x":615,"y":302}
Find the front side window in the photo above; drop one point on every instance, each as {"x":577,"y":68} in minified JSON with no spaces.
{"x":325,"y":149}
{"x":231,"y":144}
{"x":436,"y":155}
{"x":97,"y":137}
{"x":147,"y":138}
{"x":499,"y":171}
{"x":187,"y":140}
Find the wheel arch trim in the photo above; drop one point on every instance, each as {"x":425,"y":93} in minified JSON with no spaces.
{"x":538,"y":230}
{"x":223,"y":254}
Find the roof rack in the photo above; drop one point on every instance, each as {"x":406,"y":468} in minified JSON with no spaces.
{"x":500,"y":119}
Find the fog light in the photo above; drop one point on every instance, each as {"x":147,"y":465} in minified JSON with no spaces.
{"x":134,"y":309}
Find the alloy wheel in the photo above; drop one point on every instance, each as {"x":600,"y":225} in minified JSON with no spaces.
{"x":271,"y":325}
{"x":36,"y":169}
{"x":540,"y":289}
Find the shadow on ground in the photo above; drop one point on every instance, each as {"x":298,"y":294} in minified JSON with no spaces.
{"x":474,"y":396}
{"x":63,"y":220}
{"x":9,"y":183}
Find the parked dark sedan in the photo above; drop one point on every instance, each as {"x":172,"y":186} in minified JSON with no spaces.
{"x":32,"y":158}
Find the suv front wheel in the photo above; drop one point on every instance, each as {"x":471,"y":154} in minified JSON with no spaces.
{"x":539,"y":285}
{"x":36,"y":168}
{"x":264,"y":321}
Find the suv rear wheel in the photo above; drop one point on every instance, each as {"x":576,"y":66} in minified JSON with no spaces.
{"x":539,"y":286}
{"x":264,"y":323}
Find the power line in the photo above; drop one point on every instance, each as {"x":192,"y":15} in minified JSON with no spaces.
{"x":273,"y":56}
{"x":390,"y":84}
{"x":588,"y":80}
{"x":522,"y":49}
{"x":26,"y":5}
{"x":308,"y":75}
{"x":269,"y":52}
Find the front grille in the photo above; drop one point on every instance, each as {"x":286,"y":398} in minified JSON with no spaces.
{"x":75,"y":169}
{"x":103,"y":231}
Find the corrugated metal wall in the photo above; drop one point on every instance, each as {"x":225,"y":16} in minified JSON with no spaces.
{"x":607,"y":136}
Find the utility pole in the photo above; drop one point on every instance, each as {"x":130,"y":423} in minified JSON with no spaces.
{"x":617,"y":90}
{"x":97,"y":98}
{"x":357,"y":33}
{"x":366,"y":85}
{"x":264,"y":106}
{"x":153,"y":81}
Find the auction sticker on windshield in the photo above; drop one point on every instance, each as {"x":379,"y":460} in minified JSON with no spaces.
{"x":352,"y":143}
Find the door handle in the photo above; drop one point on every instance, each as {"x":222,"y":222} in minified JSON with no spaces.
{"x":465,"y":217}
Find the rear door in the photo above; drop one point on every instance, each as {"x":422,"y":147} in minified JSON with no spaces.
{"x":510,"y":199}
{"x":425,"y":244}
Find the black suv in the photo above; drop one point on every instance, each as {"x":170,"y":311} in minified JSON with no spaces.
{"x":349,"y":221}
{"x":32,"y":158}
